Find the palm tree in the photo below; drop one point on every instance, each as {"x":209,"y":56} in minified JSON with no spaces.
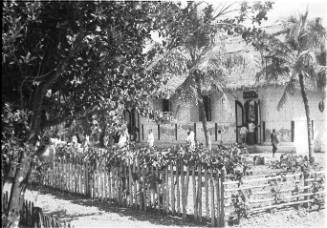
{"x":298,"y":53}
{"x":194,"y":38}
{"x":196,"y":54}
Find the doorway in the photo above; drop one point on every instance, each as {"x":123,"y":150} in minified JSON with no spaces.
{"x":249,"y":115}
{"x":239,"y":119}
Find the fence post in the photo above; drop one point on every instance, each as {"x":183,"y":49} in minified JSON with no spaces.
{"x":305,"y":177}
{"x":194,"y":195}
{"x":172,"y":189}
{"x":218,"y":189}
{"x":178,"y":173}
{"x":143,"y":193}
{"x":199,"y":193}
{"x":130,"y":184}
{"x":185,"y":188}
{"x":206,"y":182}
{"x":222,"y":198}
{"x":36,"y":220}
{"x":212,"y":209}
{"x":90,"y":181}
{"x":158,"y":186}
{"x":166,"y":190}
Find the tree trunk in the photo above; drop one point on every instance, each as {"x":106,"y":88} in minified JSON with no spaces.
{"x":204,"y":122}
{"x":307,"y":114}
{"x":18,"y":190}
{"x":23,"y":170}
{"x":202,"y":111}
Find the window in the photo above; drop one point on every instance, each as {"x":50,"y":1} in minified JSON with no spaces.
{"x":207,"y":108}
{"x":165,"y":105}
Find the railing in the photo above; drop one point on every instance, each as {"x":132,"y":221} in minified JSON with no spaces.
{"x":287,"y":131}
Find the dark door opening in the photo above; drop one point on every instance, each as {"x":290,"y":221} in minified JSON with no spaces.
{"x":250,"y":116}
{"x":239,"y":118}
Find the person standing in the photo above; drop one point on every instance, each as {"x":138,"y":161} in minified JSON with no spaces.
{"x":190,"y":138}
{"x":243,"y":133}
{"x":150,"y":138}
{"x":220,"y":138}
{"x":124,"y":138}
{"x":274,"y":142}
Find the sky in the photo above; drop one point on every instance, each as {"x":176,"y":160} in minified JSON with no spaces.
{"x":285,"y":8}
{"x":317,"y":8}
{"x":281,"y":9}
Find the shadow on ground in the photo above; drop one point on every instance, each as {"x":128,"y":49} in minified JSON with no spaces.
{"x":152,"y":216}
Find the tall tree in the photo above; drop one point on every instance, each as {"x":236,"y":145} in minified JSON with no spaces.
{"x":193,"y":40}
{"x":298,"y":52}
{"x":63,"y":61}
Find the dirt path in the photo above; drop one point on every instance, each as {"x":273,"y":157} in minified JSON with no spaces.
{"x":87,"y":213}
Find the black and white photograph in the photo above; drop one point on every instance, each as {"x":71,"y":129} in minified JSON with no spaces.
{"x":163,"y":114}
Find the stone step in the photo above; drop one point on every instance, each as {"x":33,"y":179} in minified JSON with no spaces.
{"x":268,"y":148}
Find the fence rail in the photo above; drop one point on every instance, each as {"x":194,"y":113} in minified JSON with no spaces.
{"x":31,"y":216}
{"x":185,"y":191}
{"x":176,"y":189}
{"x":280,"y":191}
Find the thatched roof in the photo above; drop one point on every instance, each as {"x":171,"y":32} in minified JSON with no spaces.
{"x":240,"y":75}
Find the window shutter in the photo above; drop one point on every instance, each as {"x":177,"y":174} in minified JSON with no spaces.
{"x":165,"y":105}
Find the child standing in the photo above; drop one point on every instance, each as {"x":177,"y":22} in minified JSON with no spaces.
{"x":220,"y":137}
{"x":150,"y":138}
{"x":274,"y":142}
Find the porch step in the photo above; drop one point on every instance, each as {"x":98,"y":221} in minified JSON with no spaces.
{"x":283,"y":148}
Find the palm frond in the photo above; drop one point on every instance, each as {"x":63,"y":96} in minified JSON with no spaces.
{"x":273,"y":70}
{"x":321,"y":78}
{"x":289,"y":89}
{"x":224,"y":10}
{"x":316,"y":34}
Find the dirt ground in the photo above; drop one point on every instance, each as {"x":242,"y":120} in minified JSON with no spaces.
{"x":83,"y":212}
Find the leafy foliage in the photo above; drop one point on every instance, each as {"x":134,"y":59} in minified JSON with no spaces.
{"x":292,"y":163}
{"x":240,"y":208}
{"x":232,"y":157}
{"x":69,"y":60}
{"x":76,"y":63}
{"x":296,"y":49}
{"x":318,"y":186}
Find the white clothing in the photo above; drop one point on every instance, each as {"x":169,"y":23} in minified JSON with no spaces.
{"x":251,"y":127}
{"x":243,"y":131}
{"x":150,"y":139}
{"x":74,"y":139}
{"x":190,"y":139}
{"x":220,"y":138}
{"x":123,"y":139}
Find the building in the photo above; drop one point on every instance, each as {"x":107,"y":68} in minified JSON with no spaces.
{"x":246,"y":100}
